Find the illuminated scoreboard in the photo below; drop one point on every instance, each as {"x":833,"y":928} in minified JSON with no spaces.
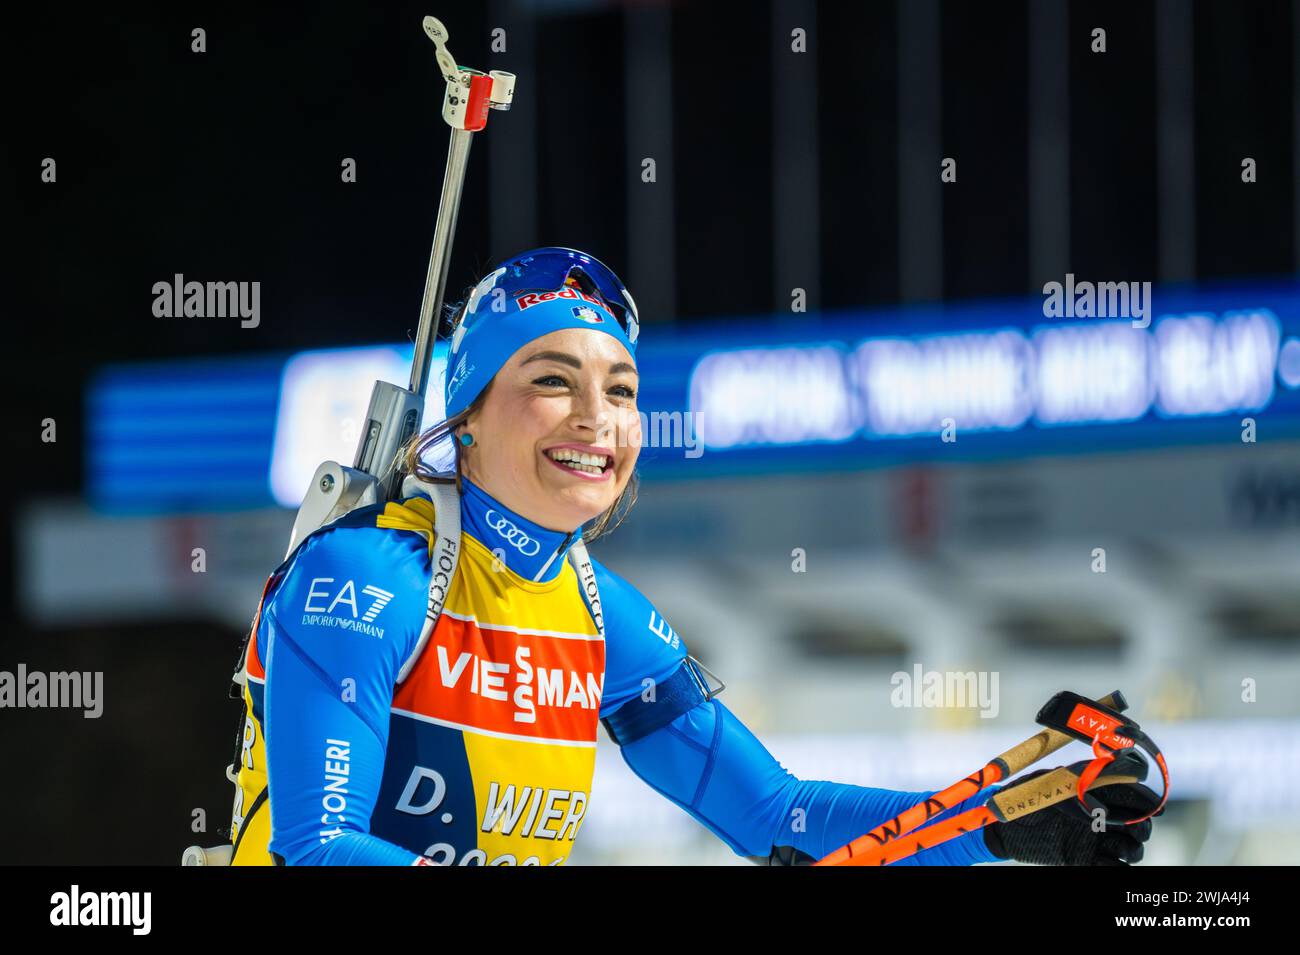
{"x":1003,"y":379}
{"x":845,"y":390}
{"x":998,"y":379}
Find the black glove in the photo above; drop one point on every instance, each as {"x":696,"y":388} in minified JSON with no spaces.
{"x":1062,"y":834}
{"x":784,"y":855}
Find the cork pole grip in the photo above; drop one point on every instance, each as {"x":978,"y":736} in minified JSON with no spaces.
{"x":1046,"y":790}
{"x":1039,"y":745}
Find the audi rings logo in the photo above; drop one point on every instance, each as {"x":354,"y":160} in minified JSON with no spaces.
{"x":517,"y":538}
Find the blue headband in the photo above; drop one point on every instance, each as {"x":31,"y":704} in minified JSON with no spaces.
{"x":533,"y":295}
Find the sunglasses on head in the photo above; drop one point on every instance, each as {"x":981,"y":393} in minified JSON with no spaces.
{"x":550,"y":270}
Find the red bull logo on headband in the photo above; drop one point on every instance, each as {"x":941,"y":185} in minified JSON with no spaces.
{"x":528,"y":300}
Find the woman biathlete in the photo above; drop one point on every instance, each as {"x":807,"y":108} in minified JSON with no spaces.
{"x":419,"y":698}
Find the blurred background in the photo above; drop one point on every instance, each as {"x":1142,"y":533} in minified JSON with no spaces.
{"x":901,"y":466}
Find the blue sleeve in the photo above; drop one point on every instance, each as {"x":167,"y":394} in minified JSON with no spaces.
{"x":640,"y":648}
{"x":337,"y":630}
{"x":708,"y":763}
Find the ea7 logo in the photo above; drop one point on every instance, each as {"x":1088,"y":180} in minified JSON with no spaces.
{"x":346,"y":596}
{"x":659,"y":627}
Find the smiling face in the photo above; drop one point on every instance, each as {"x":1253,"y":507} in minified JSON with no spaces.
{"x":558,"y":436}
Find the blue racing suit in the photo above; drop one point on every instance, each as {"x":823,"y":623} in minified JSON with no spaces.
{"x":367,"y":742}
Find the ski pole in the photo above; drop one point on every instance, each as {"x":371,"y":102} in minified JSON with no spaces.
{"x":1031,"y":750}
{"x":1014,"y":802}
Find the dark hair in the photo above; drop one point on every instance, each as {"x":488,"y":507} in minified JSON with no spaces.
{"x":413,"y":452}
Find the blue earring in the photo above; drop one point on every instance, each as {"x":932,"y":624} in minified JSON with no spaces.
{"x":467,"y":439}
